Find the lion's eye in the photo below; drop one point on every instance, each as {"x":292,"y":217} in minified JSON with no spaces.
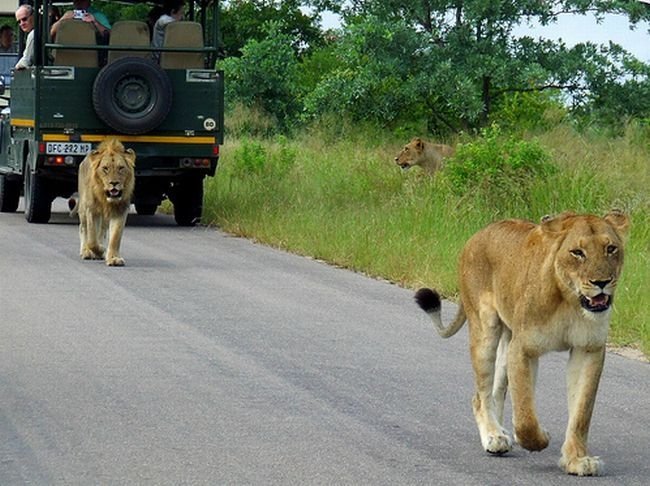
{"x":578,"y":253}
{"x":105,"y":169}
{"x":612,"y":249}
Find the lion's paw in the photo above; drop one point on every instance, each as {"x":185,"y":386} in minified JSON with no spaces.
{"x":533,"y":441}
{"x":498,"y":444}
{"x":583,"y":466}
{"x":115,"y":262}
{"x":92,"y":254}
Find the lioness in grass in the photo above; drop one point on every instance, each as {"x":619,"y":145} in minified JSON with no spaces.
{"x":429,"y":156}
{"x":527,"y":289}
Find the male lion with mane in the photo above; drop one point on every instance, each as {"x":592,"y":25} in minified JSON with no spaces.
{"x":527,"y":289}
{"x":106,"y":183}
{"x":429,"y":156}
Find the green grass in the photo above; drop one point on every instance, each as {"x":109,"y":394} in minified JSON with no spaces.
{"x":339,"y":197}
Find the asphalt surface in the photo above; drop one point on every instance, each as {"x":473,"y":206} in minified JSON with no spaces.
{"x":210,"y":359}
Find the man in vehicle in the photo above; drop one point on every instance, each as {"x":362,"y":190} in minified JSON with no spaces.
{"x":7,"y":39}
{"x":86,"y":13}
{"x":25,"y":19}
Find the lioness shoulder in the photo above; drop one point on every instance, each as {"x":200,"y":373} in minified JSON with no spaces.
{"x":429,"y":156}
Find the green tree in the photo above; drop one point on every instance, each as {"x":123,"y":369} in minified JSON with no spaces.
{"x":266,"y":74}
{"x":243,"y":21}
{"x":462,"y":56}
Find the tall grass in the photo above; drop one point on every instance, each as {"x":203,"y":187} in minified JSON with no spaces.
{"x":336,"y":195}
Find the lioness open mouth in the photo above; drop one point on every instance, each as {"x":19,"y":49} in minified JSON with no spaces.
{"x":598,"y":303}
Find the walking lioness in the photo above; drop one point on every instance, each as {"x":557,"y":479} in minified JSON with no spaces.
{"x":525,"y":290}
{"x":106,"y":183}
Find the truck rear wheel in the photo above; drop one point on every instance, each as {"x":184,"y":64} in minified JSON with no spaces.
{"x":188,"y":201}
{"x":38,"y":201}
{"x":9,"y":194}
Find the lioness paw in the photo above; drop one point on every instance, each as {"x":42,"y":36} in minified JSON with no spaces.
{"x":498,"y":444}
{"x":583,"y":466}
{"x":115,"y":262}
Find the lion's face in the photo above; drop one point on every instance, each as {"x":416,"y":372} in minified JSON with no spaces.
{"x":410,"y":154}
{"x":590,"y":259}
{"x":114,"y":175}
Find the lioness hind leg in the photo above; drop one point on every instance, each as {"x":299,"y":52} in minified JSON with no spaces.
{"x":583,"y":375}
{"x":485,"y":335}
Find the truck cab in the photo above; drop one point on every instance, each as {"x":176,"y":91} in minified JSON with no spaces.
{"x":165,"y":103}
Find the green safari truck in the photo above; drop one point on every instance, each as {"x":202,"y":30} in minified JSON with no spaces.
{"x":165,"y":103}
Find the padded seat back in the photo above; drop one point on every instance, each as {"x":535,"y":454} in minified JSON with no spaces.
{"x":80,"y":33}
{"x":183,"y":33}
{"x":132,"y":33}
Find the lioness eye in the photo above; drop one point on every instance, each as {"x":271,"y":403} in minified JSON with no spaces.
{"x":105,"y":169}
{"x":578,"y":253}
{"x":611,"y":249}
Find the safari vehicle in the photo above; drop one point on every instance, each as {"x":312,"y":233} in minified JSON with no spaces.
{"x":82,"y":89}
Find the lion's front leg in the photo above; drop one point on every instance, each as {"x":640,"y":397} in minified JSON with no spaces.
{"x":115,"y":230}
{"x":522,"y":375}
{"x":90,"y":243}
{"x":583,"y":376}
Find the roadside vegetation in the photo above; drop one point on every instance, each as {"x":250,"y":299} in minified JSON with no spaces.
{"x":333,"y":192}
{"x":314,"y":118}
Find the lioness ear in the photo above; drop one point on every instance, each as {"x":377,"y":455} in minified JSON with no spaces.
{"x":619,"y":221}
{"x":419,"y":144}
{"x":555,"y":223}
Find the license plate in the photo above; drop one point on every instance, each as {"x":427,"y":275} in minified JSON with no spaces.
{"x":67,"y":148}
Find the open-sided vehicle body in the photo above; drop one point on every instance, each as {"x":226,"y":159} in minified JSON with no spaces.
{"x":83,"y":88}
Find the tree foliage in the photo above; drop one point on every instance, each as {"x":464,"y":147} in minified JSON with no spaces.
{"x":451,"y":63}
{"x":265,"y":75}
{"x":244,"y":20}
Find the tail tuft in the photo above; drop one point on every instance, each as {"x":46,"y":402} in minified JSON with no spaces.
{"x":428,"y":300}
{"x":73,"y":205}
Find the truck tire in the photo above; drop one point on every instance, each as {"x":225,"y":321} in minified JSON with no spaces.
{"x":9,"y":194}
{"x":188,"y":201}
{"x":38,"y":201}
{"x":132,"y":95}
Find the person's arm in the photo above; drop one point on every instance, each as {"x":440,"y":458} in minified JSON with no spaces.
{"x":99,"y":26}
{"x":28,"y":54}
{"x":55,"y":26}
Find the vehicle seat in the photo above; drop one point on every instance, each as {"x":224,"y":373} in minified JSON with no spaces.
{"x":128,"y":33}
{"x":182,"y":33}
{"x":80,"y":33}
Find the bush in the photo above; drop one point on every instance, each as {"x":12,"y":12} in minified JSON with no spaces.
{"x":497,"y":163}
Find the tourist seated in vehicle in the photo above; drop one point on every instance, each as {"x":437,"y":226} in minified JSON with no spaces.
{"x":85,"y":12}
{"x":172,"y":11}
{"x":7,"y":39}
{"x":25,"y":19}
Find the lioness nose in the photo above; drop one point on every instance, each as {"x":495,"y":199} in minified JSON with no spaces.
{"x":600,"y":283}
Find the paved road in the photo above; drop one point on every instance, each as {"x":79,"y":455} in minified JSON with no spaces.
{"x":211,"y":360}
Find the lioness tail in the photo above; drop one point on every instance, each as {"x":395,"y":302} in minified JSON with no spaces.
{"x":429,"y":302}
